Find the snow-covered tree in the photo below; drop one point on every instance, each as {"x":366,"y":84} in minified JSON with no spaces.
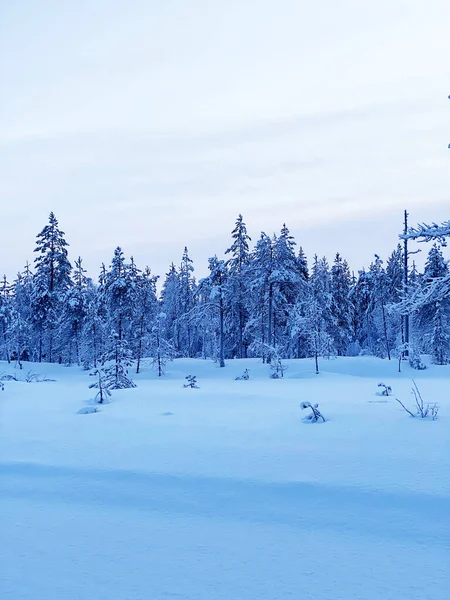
{"x":213,"y":291}
{"x":378,"y":305}
{"x":146,"y":306}
{"x":6,"y":315}
{"x":51,"y":283}
{"x":116,"y":362}
{"x":261,"y":291}
{"x":158,"y":348}
{"x":118,"y":294}
{"x":170,"y":306}
{"x":302,"y":263}
{"x":287,"y":278}
{"x":341,"y":307}
{"x":313,"y":318}
{"x":237,"y":288}
{"x":187,"y":288}
{"x":102,"y":383}
{"x":440,"y":339}
{"x":75,"y":314}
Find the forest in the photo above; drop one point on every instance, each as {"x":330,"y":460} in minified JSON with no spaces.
{"x":267,"y":301}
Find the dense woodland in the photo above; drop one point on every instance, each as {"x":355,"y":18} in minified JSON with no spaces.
{"x":265,"y":301}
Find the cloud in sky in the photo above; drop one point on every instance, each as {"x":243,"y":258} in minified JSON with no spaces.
{"x":153,"y":124}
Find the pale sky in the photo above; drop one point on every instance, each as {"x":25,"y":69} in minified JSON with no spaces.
{"x":152,"y":124}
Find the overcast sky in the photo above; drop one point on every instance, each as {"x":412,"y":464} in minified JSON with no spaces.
{"x":151,"y":124}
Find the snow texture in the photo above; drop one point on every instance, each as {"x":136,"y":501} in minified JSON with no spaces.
{"x":231,"y":498}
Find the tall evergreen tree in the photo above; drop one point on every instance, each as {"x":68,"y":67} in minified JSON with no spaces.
{"x":146,"y":305}
{"x":50,"y":285}
{"x":238,"y":263}
{"x":171,"y":307}
{"x":341,"y":308}
{"x":302,"y":262}
{"x":213,"y":289}
{"x":187,"y":288}
{"x":77,"y":308}
{"x":6,"y":311}
{"x":379,"y":295}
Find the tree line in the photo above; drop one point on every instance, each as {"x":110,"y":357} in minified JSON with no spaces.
{"x":264,"y":301}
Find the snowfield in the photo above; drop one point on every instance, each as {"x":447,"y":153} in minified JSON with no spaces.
{"x":223,"y":492}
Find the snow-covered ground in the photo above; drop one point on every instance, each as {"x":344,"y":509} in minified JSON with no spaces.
{"x":223,"y":492}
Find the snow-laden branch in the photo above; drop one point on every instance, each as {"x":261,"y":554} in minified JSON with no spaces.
{"x":428,"y":233}
{"x":435,"y":291}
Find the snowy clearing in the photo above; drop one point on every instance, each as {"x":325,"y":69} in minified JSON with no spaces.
{"x":223,"y":492}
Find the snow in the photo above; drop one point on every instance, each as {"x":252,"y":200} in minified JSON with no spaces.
{"x":222,"y":492}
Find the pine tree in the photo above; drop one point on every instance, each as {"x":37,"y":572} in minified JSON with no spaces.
{"x":362,"y":322}
{"x":213,"y":289}
{"x":102,"y":384}
{"x":119,"y":358}
{"x":187,"y":287}
{"x":6,"y":313}
{"x":50,"y":285}
{"x":93,"y":338}
{"x":440,"y":341}
{"x":379,"y":292}
{"x":159,"y":348}
{"x":237,"y":264}
{"x":341,"y":308}
{"x":436,"y":269}
{"x":170,"y":306}
{"x":261,"y":295}
{"x":287,"y":280}
{"x":21,"y":329}
{"x":117,"y":294}
{"x":77,"y":308}
{"x":146,"y":305}
{"x":394,"y":275}
{"x":302,"y":264}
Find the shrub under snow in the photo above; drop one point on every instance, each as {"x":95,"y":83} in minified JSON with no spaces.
{"x":315,"y":415}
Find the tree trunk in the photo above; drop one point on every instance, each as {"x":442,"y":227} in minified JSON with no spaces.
{"x":221,"y":341}
{"x":270,"y":322}
{"x":141,"y":333}
{"x":6,"y":343}
{"x":405,"y":274}
{"x":40,"y":344}
{"x":385,"y":330}
{"x":241,"y":332}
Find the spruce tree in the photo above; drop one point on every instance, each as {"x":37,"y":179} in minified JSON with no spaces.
{"x":341,"y":308}
{"x":6,"y":313}
{"x":237,"y":264}
{"x":146,"y":306}
{"x":187,"y":288}
{"x":214,"y":291}
{"x":51,"y":282}
{"x":171,"y":307}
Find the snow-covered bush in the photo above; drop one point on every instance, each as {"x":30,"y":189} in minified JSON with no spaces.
{"x":31,"y":377}
{"x":415,"y":362}
{"x":424,"y":410}
{"x":102,"y":384}
{"x":7,"y":377}
{"x":244,"y":376}
{"x":315,"y":415}
{"x":277,"y":368}
{"x":386,"y":391}
{"x":191,"y":382}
